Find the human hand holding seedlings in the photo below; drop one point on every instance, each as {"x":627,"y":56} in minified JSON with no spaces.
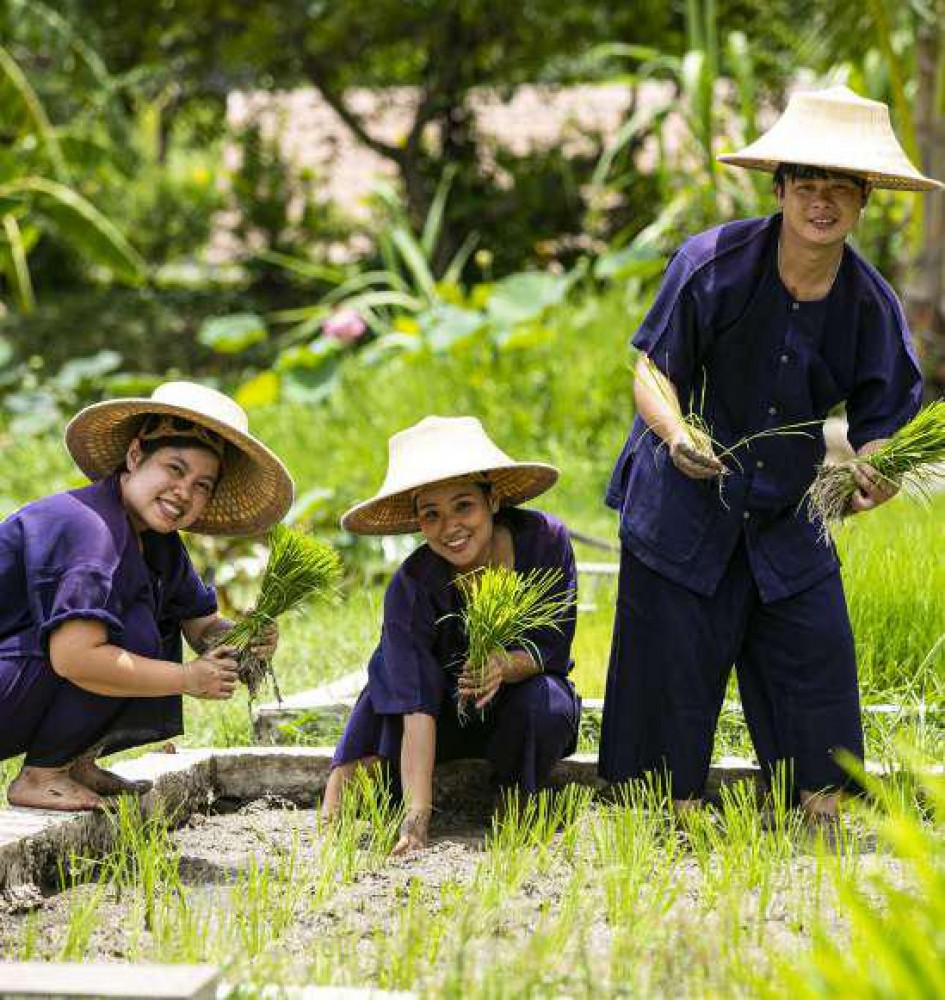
{"x":213,"y":675}
{"x":693,"y":458}
{"x":872,"y":488}
{"x":501,"y":668}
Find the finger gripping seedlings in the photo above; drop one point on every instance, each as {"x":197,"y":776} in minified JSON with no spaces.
{"x":914,"y":455}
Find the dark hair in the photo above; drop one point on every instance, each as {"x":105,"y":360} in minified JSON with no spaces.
{"x":151,"y":445}
{"x":482,"y":482}
{"x":802,"y":172}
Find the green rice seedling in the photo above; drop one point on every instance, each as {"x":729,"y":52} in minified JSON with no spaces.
{"x":84,"y":905}
{"x":502,"y":611}
{"x":915,"y":455}
{"x":299,"y":568}
{"x":896,"y":942}
{"x":698,"y":429}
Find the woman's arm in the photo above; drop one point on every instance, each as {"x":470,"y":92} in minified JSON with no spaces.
{"x":203,"y":634}
{"x":80,"y":652}
{"x":417,"y":753}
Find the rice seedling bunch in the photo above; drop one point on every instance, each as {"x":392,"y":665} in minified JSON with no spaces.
{"x":915,"y":454}
{"x":300,"y":568}
{"x":697,"y":429}
{"x":503,"y":609}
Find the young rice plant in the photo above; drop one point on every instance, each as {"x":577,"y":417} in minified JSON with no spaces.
{"x":502,"y":611}
{"x":299,"y":569}
{"x":914,"y":454}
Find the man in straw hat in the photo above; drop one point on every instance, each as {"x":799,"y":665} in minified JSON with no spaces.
{"x":96,"y":588}
{"x":764,"y":323}
{"x":447,"y":480}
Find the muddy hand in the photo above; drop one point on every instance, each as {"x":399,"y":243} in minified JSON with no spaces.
{"x":872,"y":489}
{"x":486,"y":688}
{"x":691,"y":462}
{"x":414,"y":832}
{"x":212,"y":675}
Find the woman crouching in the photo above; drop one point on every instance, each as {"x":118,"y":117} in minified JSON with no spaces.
{"x":447,"y":480}
{"x":96,"y":588}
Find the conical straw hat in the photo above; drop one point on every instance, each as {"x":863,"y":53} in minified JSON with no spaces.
{"x":435,"y":450}
{"x":254,"y":491}
{"x":835,"y":129}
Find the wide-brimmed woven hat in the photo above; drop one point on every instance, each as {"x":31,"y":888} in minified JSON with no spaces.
{"x":254,"y":491}
{"x":436,"y":450}
{"x":835,"y":129}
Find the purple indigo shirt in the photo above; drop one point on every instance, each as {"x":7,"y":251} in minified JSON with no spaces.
{"x":749,"y":357}
{"x":75,"y":555}
{"x":423,"y":646}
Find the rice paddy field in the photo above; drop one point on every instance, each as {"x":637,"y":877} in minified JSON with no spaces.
{"x":572,"y":895}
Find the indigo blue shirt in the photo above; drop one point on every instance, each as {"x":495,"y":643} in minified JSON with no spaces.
{"x":423,"y":645}
{"x":749,"y":357}
{"x":75,"y":555}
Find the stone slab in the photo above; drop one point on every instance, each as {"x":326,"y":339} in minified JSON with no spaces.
{"x":112,"y":980}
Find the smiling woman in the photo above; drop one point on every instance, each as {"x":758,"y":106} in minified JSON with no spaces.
{"x":97,"y":590}
{"x":447,"y":480}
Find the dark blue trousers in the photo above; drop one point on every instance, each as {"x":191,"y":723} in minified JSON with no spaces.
{"x":673,"y":651}
{"x":526,"y":730}
{"x":52,"y":721}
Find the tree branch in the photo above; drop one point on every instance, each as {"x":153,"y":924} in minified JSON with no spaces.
{"x":336,"y":102}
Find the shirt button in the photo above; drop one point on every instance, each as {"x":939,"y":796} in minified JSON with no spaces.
{"x":794,"y":307}
{"x":746,"y":516}
{"x":760,"y":464}
{"x":784,"y":359}
{"x":772,"y":411}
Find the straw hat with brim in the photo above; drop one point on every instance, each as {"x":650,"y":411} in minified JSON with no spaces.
{"x":254,"y":491}
{"x":437,"y":450}
{"x":837,"y":130}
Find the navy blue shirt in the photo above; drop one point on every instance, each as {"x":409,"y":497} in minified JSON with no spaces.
{"x":75,"y":555}
{"x":749,"y":357}
{"x":423,"y":645}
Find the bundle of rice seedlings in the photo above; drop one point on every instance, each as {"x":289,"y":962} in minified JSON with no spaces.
{"x":503,"y":609}
{"x":698,"y":429}
{"x":299,"y":569}
{"x":914,"y":455}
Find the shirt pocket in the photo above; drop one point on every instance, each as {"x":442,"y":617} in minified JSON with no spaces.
{"x":666,"y":510}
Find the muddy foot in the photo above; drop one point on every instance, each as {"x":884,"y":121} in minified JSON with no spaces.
{"x":51,"y":788}
{"x":91,"y":776}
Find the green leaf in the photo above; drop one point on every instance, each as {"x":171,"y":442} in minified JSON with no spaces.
{"x":261,"y":390}
{"x":6,"y":352}
{"x":80,"y":223}
{"x":630,"y":262}
{"x":22,"y":109}
{"x":522,"y":297}
{"x":17,"y":270}
{"x":232,"y":334}
{"x":80,"y":370}
{"x":444,"y":326}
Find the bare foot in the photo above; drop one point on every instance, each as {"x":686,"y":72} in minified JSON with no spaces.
{"x":51,"y":788}
{"x":86,"y":772}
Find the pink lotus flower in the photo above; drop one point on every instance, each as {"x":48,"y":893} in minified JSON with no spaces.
{"x":345,"y":325}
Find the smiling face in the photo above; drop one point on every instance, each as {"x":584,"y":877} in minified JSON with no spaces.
{"x":457,"y":522}
{"x":821,"y":212}
{"x":168,"y":489}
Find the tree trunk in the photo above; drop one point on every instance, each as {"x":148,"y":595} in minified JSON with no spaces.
{"x":925,"y":294}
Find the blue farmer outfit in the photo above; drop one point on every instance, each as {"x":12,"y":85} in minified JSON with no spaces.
{"x":713,"y":576}
{"x":75,"y":555}
{"x":527,"y":727}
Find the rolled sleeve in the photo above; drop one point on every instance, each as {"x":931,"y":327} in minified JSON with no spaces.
{"x":888,"y":381}
{"x":669,"y":335}
{"x":81,"y":592}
